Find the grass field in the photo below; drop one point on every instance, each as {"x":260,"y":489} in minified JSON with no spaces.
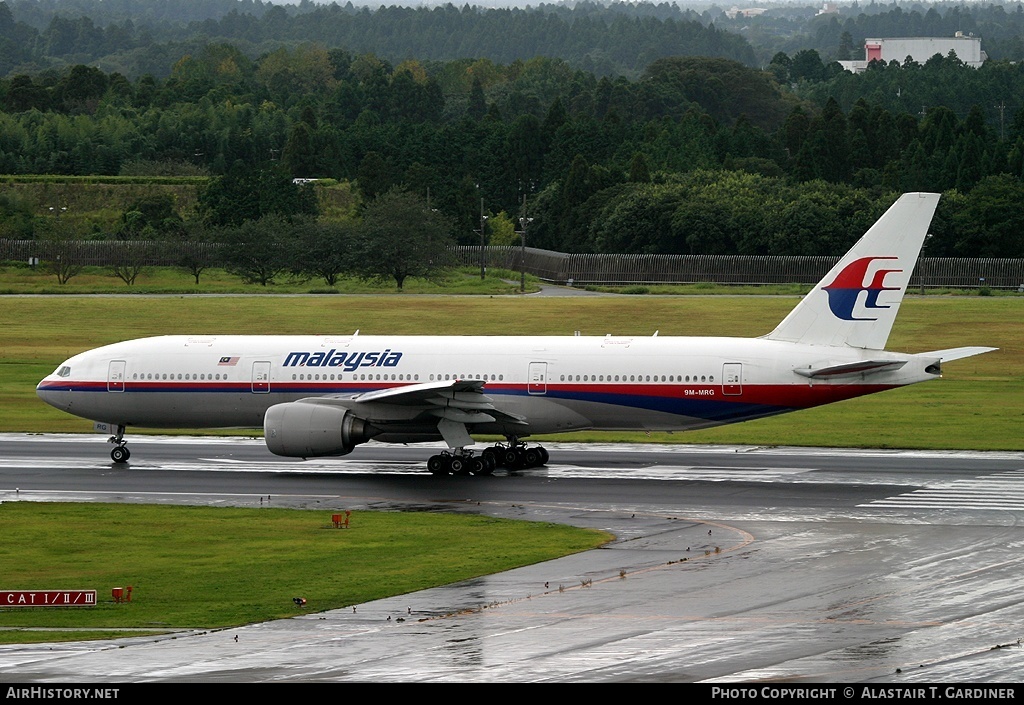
{"x":979,"y":404}
{"x":211,"y":567}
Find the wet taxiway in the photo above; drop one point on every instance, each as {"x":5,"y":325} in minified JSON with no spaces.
{"x":730,"y":564}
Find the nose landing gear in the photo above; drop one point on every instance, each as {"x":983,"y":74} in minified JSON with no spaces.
{"x":120,"y":453}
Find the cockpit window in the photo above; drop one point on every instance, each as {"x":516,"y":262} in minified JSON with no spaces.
{"x":64,"y":371}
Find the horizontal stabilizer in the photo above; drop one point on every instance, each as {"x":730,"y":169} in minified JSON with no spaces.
{"x":957,"y":353}
{"x":862,"y":367}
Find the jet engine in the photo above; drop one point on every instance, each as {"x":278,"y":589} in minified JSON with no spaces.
{"x":304,"y":429}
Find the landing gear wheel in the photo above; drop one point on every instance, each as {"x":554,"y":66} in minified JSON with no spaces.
{"x":458,"y":466}
{"x":510,"y":458}
{"x":437,"y":465}
{"x":492,"y":457}
{"x":476,"y":465}
{"x":120,"y":454}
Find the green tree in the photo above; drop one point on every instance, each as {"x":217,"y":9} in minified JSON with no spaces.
{"x":845,"y":47}
{"x":780,"y":66}
{"x":194,"y":247}
{"x":260,"y":250}
{"x":131,"y":257}
{"x":639,"y":172}
{"x":724,"y":89}
{"x":374,"y":176}
{"x":502,"y":230}
{"x":807,"y":66}
{"x":301,"y":153}
{"x":325,"y":249}
{"x":639,"y":220}
{"x":525,"y":151}
{"x":149,"y":217}
{"x":400,"y":238}
{"x":81,"y":88}
{"x":16,"y":217}
{"x":61,"y":247}
{"x":991,"y":221}
{"x":250,"y":194}
{"x":477,"y":101}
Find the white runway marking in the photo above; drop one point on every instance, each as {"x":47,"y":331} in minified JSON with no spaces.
{"x":399,"y":467}
{"x":1003,"y":491}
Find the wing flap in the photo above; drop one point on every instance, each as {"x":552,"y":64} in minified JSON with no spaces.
{"x":460,"y":416}
{"x":419,"y":393}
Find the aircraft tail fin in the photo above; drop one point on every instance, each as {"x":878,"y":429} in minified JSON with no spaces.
{"x":857,"y":301}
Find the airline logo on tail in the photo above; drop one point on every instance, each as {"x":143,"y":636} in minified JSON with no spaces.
{"x":845,"y":289}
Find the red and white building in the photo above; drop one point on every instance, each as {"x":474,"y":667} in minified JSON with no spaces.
{"x":966,"y":47}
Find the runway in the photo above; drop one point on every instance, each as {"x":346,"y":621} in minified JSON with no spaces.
{"x":731,"y":564}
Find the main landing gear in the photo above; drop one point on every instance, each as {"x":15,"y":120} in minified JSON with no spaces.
{"x":460,"y":462}
{"x":120,"y":454}
{"x":514,"y":456}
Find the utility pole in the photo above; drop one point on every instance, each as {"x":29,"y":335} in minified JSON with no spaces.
{"x":483,"y":227}
{"x":523,"y":223}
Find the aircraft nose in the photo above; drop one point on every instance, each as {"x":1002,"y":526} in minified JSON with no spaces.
{"x":54,"y":396}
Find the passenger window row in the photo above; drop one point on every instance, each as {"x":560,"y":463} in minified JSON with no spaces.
{"x":637,"y":378}
{"x":146,"y":376}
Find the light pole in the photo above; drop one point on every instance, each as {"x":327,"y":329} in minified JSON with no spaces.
{"x":920,"y":259}
{"x":483,"y":226}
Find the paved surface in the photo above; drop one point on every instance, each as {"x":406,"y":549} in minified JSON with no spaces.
{"x":731,"y":564}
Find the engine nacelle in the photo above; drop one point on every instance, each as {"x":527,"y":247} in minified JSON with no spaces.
{"x":306,"y":430}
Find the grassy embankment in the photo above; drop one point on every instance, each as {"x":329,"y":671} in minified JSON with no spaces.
{"x":215,"y":567}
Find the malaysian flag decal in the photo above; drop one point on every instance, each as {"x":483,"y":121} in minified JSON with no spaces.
{"x":228,"y":361}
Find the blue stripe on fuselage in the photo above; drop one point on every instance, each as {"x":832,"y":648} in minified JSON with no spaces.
{"x":710,"y":408}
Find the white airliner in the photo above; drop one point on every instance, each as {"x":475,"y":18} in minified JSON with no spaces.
{"x":322,"y":396}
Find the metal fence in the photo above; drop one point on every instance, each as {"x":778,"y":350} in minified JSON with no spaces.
{"x":102,"y":253}
{"x":583,"y":269}
{"x":571,"y":269}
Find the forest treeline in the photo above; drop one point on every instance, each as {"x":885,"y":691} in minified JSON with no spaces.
{"x":136,"y":37}
{"x":695,"y":155}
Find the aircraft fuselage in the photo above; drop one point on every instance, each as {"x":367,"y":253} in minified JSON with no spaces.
{"x":556,"y":383}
